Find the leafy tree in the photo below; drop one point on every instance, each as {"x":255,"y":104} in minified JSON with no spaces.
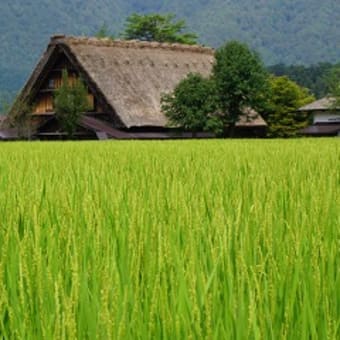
{"x":240,"y":79}
{"x":313,"y":77}
{"x":284,"y":98}
{"x":70,"y":101}
{"x":270,"y":29}
{"x":157,"y":27}
{"x":192,"y":105}
{"x":19,"y":117}
{"x":333,"y":85}
{"x":23,"y":121}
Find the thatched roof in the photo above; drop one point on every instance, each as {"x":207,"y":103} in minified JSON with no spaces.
{"x":131,"y":75}
{"x":2,"y":119}
{"x":251,"y":118}
{"x":323,"y":104}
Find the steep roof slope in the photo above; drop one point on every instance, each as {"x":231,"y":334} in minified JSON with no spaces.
{"x":131,"y":75}
{"x":322,"y":104}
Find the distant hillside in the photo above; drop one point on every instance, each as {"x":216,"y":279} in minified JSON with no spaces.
{"x":292,"y":32}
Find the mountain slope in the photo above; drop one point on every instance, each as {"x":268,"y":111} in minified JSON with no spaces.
{"x":303,"y":31}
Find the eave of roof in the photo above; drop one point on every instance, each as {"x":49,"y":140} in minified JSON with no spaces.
{"x":9,"y":134}
{"x":322,"y":129}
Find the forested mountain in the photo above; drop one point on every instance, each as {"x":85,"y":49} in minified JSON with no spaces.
{"x":291,"y":32}
{"x":314,"y":77}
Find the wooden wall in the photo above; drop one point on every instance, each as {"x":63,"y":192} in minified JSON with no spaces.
{"x":44,"y":101}
{"x":44,"y":104}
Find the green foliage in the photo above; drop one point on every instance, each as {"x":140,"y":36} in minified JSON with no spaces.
{"x":312,"y":77}
{"x":240,"y":80}
{"x":282,"y":31}
{"x":70,"y":101}
{"x":170,"y":240}
{"x":20,"y":115}
{"x":157,"y":27}
{"x":284,"y":98}
{"x":333,"y":83}
{"x":192,"y":105}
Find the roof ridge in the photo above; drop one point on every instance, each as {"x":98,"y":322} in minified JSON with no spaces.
{"x":107,"y":42}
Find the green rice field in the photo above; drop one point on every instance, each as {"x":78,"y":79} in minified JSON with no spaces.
{"x":215,"y":239}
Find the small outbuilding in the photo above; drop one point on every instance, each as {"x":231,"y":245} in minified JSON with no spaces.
{"x":325,"y":117}
{"x":125,"y":81}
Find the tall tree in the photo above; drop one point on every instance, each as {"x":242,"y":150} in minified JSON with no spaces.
{"x":20,"y":117}
{"x":70,"y":101}
{"x":333,"y":85}
{"x":284,"y":98}
{"x":157,"y":27}
{"x":192,"y":105}
{"x":241,"y":80}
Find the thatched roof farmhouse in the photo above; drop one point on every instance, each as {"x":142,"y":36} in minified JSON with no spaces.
{"x":125,"y":81}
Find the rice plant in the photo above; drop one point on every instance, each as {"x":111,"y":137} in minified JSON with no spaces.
{"x":170,"y":240}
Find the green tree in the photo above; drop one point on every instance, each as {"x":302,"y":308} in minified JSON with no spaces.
{"x":19,"y":116}
{"x":311,"y":77}
{"x":192,"y":105}
{"x":284,"y":98}
{"x":70,"y":101}
{"x":157,"y":27}
{"x":241,"y":81}
{"x":333,"y":85}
